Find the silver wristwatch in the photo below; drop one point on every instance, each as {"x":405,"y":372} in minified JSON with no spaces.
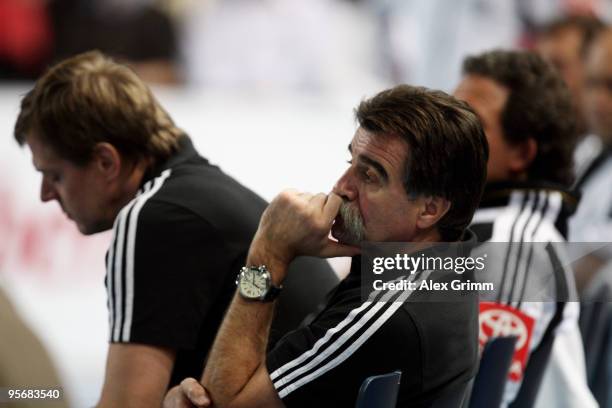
{"x":255,"y":283}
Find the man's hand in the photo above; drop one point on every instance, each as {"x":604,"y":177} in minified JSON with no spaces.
{"x":236,"y":374}
{"x":299,"y":224}
{"x":190,"y":393}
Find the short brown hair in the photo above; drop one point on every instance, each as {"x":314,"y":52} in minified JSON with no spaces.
{"x":448,"y":148}
{"x":538,"y":106}
{"x":88,"y":99}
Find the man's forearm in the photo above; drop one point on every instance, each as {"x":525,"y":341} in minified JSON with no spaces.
{"x":137,"y":375}
{"x":240,"y":347}
{"x":293,"y":224}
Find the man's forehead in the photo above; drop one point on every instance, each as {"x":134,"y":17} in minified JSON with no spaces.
{"x":389,"y":150}
{"x":481,"y":87}
{"x":482,"y":94}
{"x":42,"y":154}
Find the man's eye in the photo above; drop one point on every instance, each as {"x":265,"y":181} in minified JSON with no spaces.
{"x":369,"y":176}
{"x":349,"y":161}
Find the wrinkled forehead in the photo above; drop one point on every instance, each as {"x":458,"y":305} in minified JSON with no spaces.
{"x":390,"y":151}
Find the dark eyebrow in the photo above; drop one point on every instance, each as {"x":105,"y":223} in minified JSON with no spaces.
{"x":376,"y":165}
{"x":371,"y":162}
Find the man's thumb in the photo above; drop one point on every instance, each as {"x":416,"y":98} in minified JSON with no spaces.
{"x":195,"y":392}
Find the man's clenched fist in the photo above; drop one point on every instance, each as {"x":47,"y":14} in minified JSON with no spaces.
{"x":299,"y":224}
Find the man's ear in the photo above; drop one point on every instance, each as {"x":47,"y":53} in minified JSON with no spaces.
{"x":431,"y":211}
{"x":521,"y":155}
{"x":107,"y":160}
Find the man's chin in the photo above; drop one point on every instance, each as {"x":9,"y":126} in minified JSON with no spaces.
{"x":87,"y":229}
{"x":83,"y":229}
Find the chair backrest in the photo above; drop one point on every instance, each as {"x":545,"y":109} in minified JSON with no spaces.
{"x":490,"y":381}
{"x":379,"y":391}
{"x":596,"y":327}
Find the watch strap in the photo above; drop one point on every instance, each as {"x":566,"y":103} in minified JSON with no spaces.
{"x":272,"y":293}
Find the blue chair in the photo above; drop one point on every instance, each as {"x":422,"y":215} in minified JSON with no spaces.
{"x":379,"y":391}
{"x":490,"y":382}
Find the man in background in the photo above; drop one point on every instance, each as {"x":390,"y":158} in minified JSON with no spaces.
{"x":593,"y":220}
{"x":565,"y":44}
{"x":591,"y":226}
{"x":528,"y":118}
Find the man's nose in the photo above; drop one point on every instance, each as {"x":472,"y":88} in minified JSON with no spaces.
{"x":346,"y":187}
{"x":47,"y":191}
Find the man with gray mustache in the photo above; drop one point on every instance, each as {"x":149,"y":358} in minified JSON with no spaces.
{"x":416,"y":174}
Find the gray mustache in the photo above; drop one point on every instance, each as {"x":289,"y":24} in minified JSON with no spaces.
{"x":353,"y":222}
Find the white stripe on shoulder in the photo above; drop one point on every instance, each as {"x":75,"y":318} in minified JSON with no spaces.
{"x":547,"y":232}
{"x":516,"y":254}
{"x":527,"y":241}
{"x":322,"y":341}
{"x":502,"y":227}
{"x":352,"y":347}
{"x":487,"y":215}
{"x":116,"y":272}
{"x":109,"y":278}
{"x":340,"y":341}
{"x":131,"y":246}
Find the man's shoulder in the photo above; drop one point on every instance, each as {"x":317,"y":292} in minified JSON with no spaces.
{"x":202,"y":180}
{"x":196,"y":192}
{"x":383,"y":314}
{"x":525,"y":215}
{"x":434,"y":344}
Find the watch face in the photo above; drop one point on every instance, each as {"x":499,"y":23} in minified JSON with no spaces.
{"x":253,"y":283}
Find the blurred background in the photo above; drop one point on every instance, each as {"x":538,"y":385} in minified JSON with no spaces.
{"x":266,"y":90}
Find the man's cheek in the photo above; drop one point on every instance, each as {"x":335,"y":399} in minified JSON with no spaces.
{"x":363,"y":210}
